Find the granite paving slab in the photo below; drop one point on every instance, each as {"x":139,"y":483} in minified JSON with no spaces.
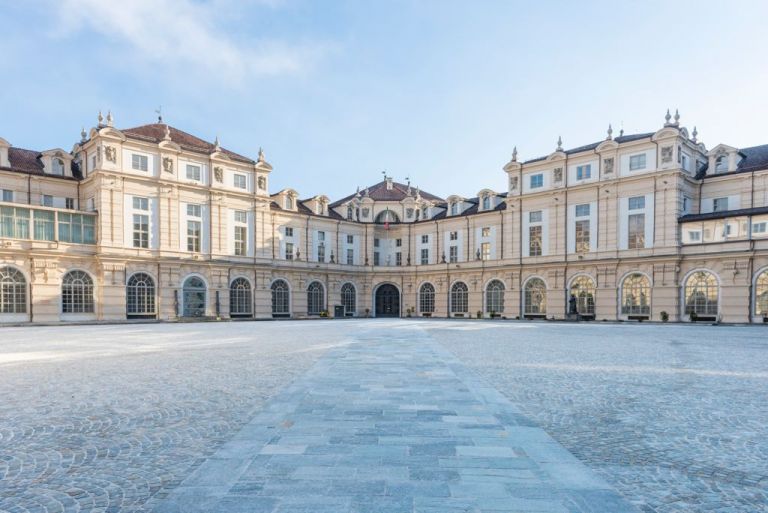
{"x":391,"y":424}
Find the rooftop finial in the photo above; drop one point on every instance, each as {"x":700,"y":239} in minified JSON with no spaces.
{"x":559,"y":143}
{"x":83,"y":135}
{"x":514,"y":154}
{"x":100,"y":118}
{"x":677,"y":117}
{"x":216,"y":145}
{"x":621,"y":130}
{"x":167,"y":134}
{"x":110,"y":119}
{"x":695,"y":133}
{"x":159,"y":112}
{"x":610,"y":133}
{"x":261,"y":155}
{"x":667,"y":118}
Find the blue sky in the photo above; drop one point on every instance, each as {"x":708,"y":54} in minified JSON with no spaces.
{"x":337,"y":92}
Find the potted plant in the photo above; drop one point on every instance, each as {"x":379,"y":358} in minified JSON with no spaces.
{"x":664,"y":316}
{"x":693,"y":316}
{"x":479,"y":314}
{"x":367,"y":312}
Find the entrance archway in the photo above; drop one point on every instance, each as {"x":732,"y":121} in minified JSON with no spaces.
{"x":387,"y":301}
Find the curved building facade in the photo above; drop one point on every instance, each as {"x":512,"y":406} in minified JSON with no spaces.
{"x":154,"y":223}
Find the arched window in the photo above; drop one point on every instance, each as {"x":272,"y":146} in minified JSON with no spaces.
{"x":721,"y":163}
{"x":387,"y":216}
{"x":77,"y":293}
{"x":701,"y":292}
{"x":289,"y":203}
{"x":140,"y":296}
{"x":13,"y":291}
{"x":454,"y":208}
{"x":281,"y":299}
{"x":349,"y":299}
{"x":315,"y":298}
{"x":427,"y":298}
{"x":194,"y":297}
{"x":494,"y":297}
{"x":240,"y":299}
{"x":636,"y":295}
{"x":761,"y":294}
{"x":57,"y":166}
{"x":459,"y":298}
{"x":535,"y":297}
{"x":486,"y":202}
{"x":350,"y":213}
{"x":583,"y":289}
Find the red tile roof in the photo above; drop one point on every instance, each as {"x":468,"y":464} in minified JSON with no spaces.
{"x":27,"y":161}
{"x":155,"y":133}
{"x":398,"y":192}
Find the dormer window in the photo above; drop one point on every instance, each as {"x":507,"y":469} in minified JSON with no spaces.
{"x":721,"y":163}
{"x":486,"y":202}
{"x":454,"y":208}
{"x":350,"y":213}
{"x":424,"y":212}
{"x":57,"y":166}
{"x":288,"y":203}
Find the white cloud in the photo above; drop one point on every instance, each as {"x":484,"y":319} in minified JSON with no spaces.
{"x":178,"y":34}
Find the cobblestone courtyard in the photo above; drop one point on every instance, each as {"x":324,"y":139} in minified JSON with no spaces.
{"x":125,"y":418}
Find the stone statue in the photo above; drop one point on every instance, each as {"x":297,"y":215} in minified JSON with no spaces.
{"x":218,"y":172}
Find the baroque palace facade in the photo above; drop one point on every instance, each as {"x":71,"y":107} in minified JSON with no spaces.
{"x":152,"y":222}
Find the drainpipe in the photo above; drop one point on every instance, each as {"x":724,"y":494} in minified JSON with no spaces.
{"x":31,"y":296}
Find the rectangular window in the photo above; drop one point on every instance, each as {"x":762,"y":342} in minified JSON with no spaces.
{"x":582,"y":236}
{"x":350,"y":256}
{"x":719,"y":204}
{"x":47,"y":200}
{"x":584,"y":172}
{"x":321,"y":236}
{"x":350,"y":239}
{"x":77,"y":228}
{"x":376,"y":260}
{"x":139,"y":162}
{"x":637,"y":162}
{"x":694,"y":236}
{"x":69,"y":203}
{"x":485,"y":232}
{"x":582,"y":210}
{"x":537,"y":181}
{"x":425,"y":239}
{"x":241,"y":216}
{"x":534,"y":217}
{"x":454,"y":236}
{"x":193,"y":172}
{"x":194,"y":211}
{"x":424,"y":256}
{"x":14,"y":223}
{"x":375,"y":243}
{"x":637,"y":203}
{"x":399,"y":243}
{"x":636,"y":230}
{"x":240,"y":181}
{"x":398,"y":258}
{"x":44,"y":225}
{"x":241,"y":240}
{"x":686,"y":205}
{"x":7,"y":196}
{"x":534,"y":241}
{"x":485,"y":251}
{"x":194,"y":229}
{"x":321,"y":252}
{"x":453,"y":254}
{"x":288,"y":231}
{"x":289,"y":250}
{"x":140,"y":231}
{"x":686,"y":162}
{"x":759,"y":227}
{"x":140,"y":203}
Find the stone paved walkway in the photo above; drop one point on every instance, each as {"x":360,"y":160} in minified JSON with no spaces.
{"x":391,"y":425}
